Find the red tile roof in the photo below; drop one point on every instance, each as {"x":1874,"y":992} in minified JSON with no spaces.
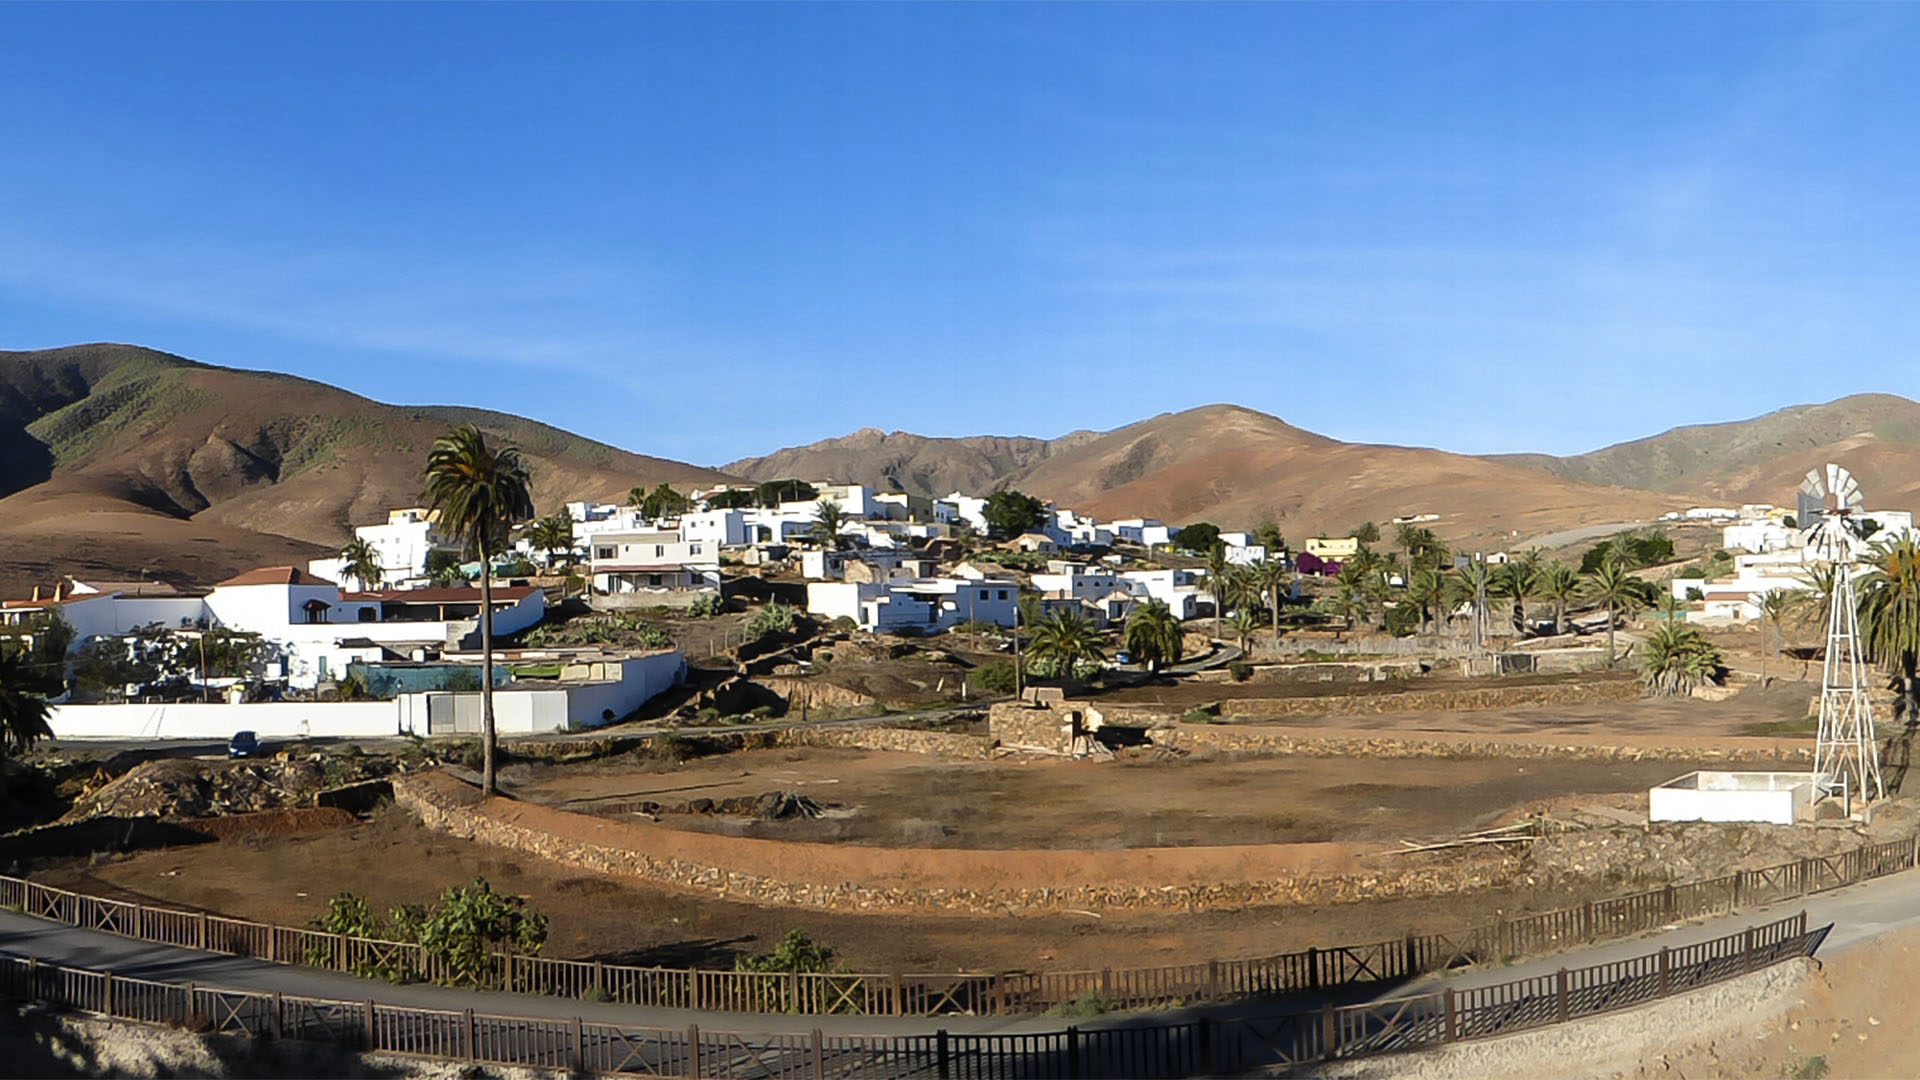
{"x":275,"y":575}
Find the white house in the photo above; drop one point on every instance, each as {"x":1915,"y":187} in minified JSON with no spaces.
{"x":652,"y":561}
{"x":1178,"y":589}
{"x":969,"y":509}
{"x":1760,"y":536}
{"x":1146,"y":532}
{"x":402,"y":545}
{"x":929,"y":605}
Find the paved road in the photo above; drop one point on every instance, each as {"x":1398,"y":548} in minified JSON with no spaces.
{"x":1861,"y":912}
{"x":1574,"y":536}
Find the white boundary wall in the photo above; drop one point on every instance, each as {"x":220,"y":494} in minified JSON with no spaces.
{"x":1774,"y":798}
{"x":219,"y":721}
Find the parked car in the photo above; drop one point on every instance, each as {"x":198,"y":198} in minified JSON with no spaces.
{"x":243,"y":744}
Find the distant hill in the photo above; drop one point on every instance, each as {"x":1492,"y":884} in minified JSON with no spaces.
{"x":1876,"y":436}
{"x":1230,"y":465}
{"x":122,"y":460}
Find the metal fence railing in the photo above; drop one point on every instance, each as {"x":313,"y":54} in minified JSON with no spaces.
{"x":998,"y":993}
{"x":1204,"y":1046}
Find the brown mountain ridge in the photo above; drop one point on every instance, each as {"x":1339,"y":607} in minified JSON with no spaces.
{"x":122,"y":460}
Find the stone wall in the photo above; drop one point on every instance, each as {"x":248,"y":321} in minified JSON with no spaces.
{"x":1254,"y":739}
{"x":1449,"y":698}
{"x":851,"y":878}
{"x":905,"y":740}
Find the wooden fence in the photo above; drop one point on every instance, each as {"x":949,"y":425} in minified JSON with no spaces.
{"x":1000,"y":993}
{"x":1204,"y":1046}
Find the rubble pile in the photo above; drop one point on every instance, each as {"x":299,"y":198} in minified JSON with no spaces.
{"x":181,"y":788}
{"x":767,"y":806}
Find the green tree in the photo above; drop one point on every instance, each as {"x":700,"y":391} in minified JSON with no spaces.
{"x":362,"y":560}
{"x":1367,"y":533}
{"x":1219,"y":584}
{"x":1513,"y":581}
{"x":1267,"y":535}
{"x":1275,"y":582}
{"x":1468,"y":586}
{"x":1614,"y":588}
{"x":797,"y":953}
{"x":663,"y":502}
{"x":1068,"y":639}
{"x":1201,"y":537}
{"x":479,"y":493}
{"x":1428,"y":591}
{"x":730,"y":499}
{"x":1777,"y":607}
{"x":1557,"y":583}
{"x":23,"y":705}
{"x":1677,"y":659}
{"x":1890,"y":614}
{"x":774,"y":492}
{"x":1154,"y":636}
{"x":470,"y":922}
{"x":1245,"y":621}
{"x":828,"y":520}
{"x":1010,"y":513}
{"x":552,"y":534}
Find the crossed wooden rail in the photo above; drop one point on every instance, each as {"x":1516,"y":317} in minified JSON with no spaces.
{"x":1205,"y":1046}
{"x":1000,"y":993}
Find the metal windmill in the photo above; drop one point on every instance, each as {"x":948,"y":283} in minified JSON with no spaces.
{"x":1847,"y":755}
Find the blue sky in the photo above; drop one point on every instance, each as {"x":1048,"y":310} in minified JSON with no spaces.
{"x":709,"y":231}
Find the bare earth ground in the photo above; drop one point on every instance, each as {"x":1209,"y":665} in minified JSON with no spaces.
{"x":390,"y":860}
{"x":910,"y":800}
{"x":1781,"y":702}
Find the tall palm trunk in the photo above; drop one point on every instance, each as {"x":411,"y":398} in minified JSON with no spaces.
{"x":1275,"y":597}
{"x":488,"y":785}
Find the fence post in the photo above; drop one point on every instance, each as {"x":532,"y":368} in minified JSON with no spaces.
{"x":466,"y":1036}
{"x":273,"y":947}
{"x":1672,"y":905}
{"x":1560,"y":995}
{"x":1746,"y":945}
{"x":1329,"y":1032}
{"x":1449,"y":1015}
{"x":693,"y":1051}
{"x":140,"y":922}
{"x":373,"y":1043}
{"x":793,"y":990}
{"x":1803,"y":922}
{"x":899,"y":994}
{"x":1203,"y":1034}
{"x":1313,"y":968}
{"x":1106,"y":984}
{"x":579,"y":1047}
{"x":340,"y":952}
{"x":1213,"y":980}
{"x":1586,"y":918}
{"x":1412,"y":957}
{"x":1073,"y":1053}
{"x":600,"y":976}
{"x":106,"y":992}
{"x":1739,"y":890}
{"x":193,"y":1006}
{"x":940,"y":1054}
{"x":279,"y":1016}
{"x":1666,"y":971}
{"x":202,"y":936}
{"x":819,"y":1056}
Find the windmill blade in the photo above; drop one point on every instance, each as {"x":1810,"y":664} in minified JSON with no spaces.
{"x":1848,"y":491}
{"x":1834,"y":474}
{"x":1815,"y":484}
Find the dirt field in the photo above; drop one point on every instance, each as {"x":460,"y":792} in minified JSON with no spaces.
{"x":391,"y":860}
{"x":910,"y":800}
{"x":1783,"y":702}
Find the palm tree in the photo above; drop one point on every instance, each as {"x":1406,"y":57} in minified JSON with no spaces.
{"x":827,"y":521}
{"x":1513,"y":580}
{"x":1217,"y":583}
{"x":362,"y":560}
{"x":1558,"y":583}
{"x":1614,"y":588}
{"x":479,"y":494}
{"x":1153,"y":635}
{"x":1428,"y":589}
{"x":23,"y":711}
{"x":1469,"y":586}
{"x":552,"y":534}
{"x":1244,"y":622}
{"x":1890,"y":614}
{"x":1351,"y":595}
{"x":1273,"y":578}
{"x":1678,"y":659}
{"x":1775,"y":609}
{"x":1067,"y":638}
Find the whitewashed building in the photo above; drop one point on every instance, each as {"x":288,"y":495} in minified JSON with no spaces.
{"x":928,"y":605}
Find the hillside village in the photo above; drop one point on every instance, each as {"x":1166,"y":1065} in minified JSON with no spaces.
{"x":590,"y":597}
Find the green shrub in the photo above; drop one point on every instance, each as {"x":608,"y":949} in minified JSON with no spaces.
{"x":997,"y":677}
{"x":1240,"y":670}
{"x":707,"y":605}
{"x":845,"y":624}
{"x":1203,"y":714}
{"x":775,"y":618}
{"x":796,"y":953}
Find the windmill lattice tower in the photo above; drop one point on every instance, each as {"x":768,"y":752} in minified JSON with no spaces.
{"x":1847,"y":754}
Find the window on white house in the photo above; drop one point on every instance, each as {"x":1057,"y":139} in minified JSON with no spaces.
{"x":659,"y":550}
{"x":603,"y":553}
{"x":1003,"y":594}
